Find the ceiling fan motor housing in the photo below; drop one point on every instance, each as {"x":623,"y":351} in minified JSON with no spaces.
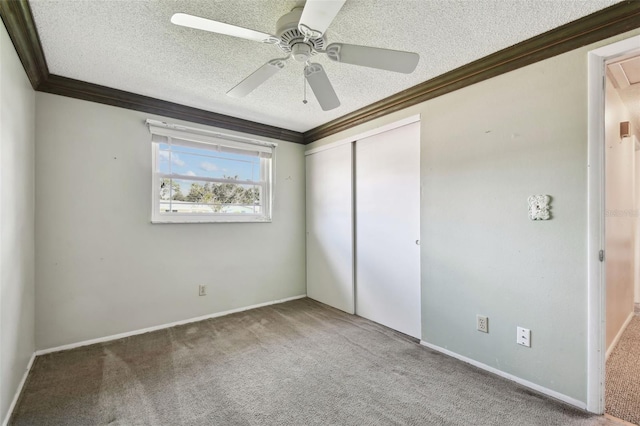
{"x":292,"y":40}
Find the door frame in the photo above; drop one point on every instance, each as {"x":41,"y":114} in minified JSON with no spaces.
{"x":596,"y":293}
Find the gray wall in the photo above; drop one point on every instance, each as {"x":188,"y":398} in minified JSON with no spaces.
{"x":17,"y":114}
{"x":484,"y":150}
{"x":102,"y":268}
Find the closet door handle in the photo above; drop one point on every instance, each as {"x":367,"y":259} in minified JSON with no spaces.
{"x":417,"y":242}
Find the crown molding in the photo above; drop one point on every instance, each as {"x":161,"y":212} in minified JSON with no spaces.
{"x":614,"y":20}
{"x":18,"y":19}
{"x":77,"y":89}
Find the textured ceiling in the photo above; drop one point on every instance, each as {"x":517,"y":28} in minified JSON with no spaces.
{"x":131,"y":45}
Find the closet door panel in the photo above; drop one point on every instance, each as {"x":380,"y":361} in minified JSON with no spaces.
{"x":330,"y":227}
{"x":387,"y":182}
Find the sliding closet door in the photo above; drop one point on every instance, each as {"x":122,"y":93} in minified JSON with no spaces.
{"x":388,"y":227}
{"x":330,"y":227}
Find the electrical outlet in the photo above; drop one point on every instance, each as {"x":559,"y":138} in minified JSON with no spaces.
{"x":482,"y":323}
{"x":524,"y":337}
{"x":202,"y":290}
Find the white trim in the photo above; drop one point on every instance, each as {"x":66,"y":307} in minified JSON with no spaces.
{"x":376,"y":131}
{"x":155,"y":185}
{"x":208,"y":179}
{"x":531,"y":385}
{"x":195,"y":218}
{"x":265,"y":183}
{"x":596,"y":290}
{"x":613,"y":344}
{"x":163,"y":326}
{"x":596,"y":293}
{"x":19,"y":390}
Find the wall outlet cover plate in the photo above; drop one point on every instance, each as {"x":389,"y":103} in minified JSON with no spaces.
{"x":482,"y":323}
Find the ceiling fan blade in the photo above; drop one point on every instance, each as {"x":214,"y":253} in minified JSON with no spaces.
{"x":373,"y":57}
{"x":258,"y":77}
{"x":317,"y":15}
{"x":221,"y":28}
{"x":321,"y":86}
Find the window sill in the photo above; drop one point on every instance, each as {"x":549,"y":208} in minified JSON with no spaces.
{"x":203,"y":220}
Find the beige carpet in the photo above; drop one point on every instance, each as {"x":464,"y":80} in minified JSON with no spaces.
{"x":297,"y":363}
{"x":622,"y":396}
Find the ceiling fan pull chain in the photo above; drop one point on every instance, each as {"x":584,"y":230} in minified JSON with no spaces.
{"x":304,"y":83}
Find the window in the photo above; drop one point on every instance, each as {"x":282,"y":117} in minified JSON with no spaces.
{"x":202,"y":176}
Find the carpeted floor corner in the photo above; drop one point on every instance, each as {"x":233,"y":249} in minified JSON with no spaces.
{"x":296,"y":363}
{"x":622,"y":397}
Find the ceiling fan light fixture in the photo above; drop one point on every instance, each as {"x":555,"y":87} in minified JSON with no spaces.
{"x":301,"y":52}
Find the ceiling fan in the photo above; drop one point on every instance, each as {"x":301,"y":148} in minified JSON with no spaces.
{"x":300,"y":34}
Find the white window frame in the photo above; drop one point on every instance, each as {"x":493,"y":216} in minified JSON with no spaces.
{"x":164,"y":133}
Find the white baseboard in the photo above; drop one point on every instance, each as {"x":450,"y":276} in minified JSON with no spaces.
{"x":19,"y":390}
{"x":531,"y":385}
{"x":160,"y":327}
{"x":613,"y":344}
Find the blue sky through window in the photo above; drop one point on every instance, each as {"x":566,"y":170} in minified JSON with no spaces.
{"x":196,"y":162}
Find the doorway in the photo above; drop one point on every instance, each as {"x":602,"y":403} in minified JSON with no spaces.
{"x":622,"y":148}
{"x":612,"y":216}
